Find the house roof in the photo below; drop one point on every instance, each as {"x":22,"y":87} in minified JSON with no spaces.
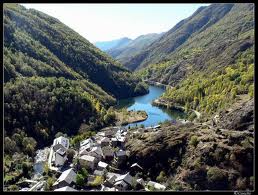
{"x":85,"y":142}
{"x":121,"y":139}
{"x":120,"y":153}
{"x":156,"y":185}
{"x":102,"y":164}
{"x":111,"y":174}
{"x":140,"y":181}
{"x":97,"y":150}
{"x":136,"y":165}
{"x":108,"y":151}
{"x":61,"y":151}
{"x":111,"y":178}
{"x":126,"y":178}
{"x":63,"y":141}
{"x":69,"y":176}
{"x":109,"y":132}
{"x":86,"y":147}
{"x":101,"y":134}
{"x":98,"y":172}
{"x":88,"y":158}
{"x":114,"y":139}
{"x":122,"y":183}
{"x":66,"y":188}
{"x":105,"y":139}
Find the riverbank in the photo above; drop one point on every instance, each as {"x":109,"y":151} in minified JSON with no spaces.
{"x":163,"y":103}
{"x":125,"y":117}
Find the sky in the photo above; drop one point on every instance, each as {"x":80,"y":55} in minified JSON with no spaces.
{"x":105,"y":22}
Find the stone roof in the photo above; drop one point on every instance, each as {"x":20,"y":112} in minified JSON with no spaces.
{"x":126,"y":178}
{"x":97,"y":150}
{"x":102,"y":164}
{"x":120,"y":153}
{"x":63,"y":141}
{"x":61,"y":151}
{"x":69,"y":176}
{"x":136,"y":165}
{"x":123,"y":183}
{"x":85,"y":142}
{"x":105,"y":139}
{"x":66,"y":188}
{"x":108,"y":151}
{"x":156,"y":185}
{"x":98,"y":172}
{"x":87,"y":158}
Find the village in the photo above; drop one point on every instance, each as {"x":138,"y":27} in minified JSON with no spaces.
{"x":104,"y":158}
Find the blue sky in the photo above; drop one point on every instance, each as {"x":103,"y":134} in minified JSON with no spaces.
{"x":104,"y":22}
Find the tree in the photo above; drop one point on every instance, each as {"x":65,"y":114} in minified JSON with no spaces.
{"x":70,"y":154}
{"x":194,"y":140}
{"x":80,"y":180}
{"x":97,"y":181}
{"x":25,"y":169}
{"x":98,"y":107}
{"x":9,"y":145}
{"x":161,"y":177}
{"x":84,"y":173}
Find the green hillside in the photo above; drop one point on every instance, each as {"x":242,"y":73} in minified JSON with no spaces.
{"x":36,"y":44}
{"x":200,"y":68}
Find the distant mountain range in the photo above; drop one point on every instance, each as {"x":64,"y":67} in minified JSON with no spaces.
{"x":106,"y":45}
{"x":124,"y":52}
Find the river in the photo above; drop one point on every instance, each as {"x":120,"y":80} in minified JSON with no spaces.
{"x":155,"y":114}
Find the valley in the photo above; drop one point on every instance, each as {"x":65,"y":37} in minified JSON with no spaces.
{"x":170,"y":111}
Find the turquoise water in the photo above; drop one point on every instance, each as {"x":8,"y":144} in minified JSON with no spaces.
{"x":155,"y":114}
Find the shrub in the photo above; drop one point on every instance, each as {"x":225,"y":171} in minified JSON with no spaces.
{"x":151,"y":188}
{"x":194,"y":140}
{"x":13,"y":188}
{"x":197,"y":163}
{"x":192,"y":116}
{"x":175,"y":186}
{"x":161,"y":177}
{"x":50,"y":182}
{"x":70,"y":154}
{"x":217,"y":178}
{"x":97,"y":181}
{"x":80,"y":180}
{"x":84,"y":173}
{"x":241,"y":184}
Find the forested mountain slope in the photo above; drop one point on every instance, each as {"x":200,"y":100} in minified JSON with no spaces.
{"x":212,"y":67}
{"x":36,"y":44}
